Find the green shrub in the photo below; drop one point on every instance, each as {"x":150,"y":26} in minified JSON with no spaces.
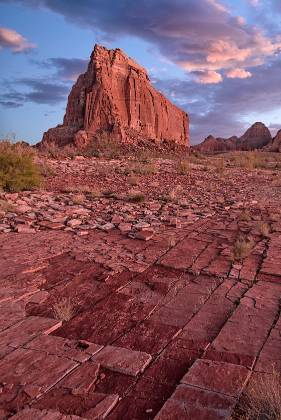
{"x":18,"y":171}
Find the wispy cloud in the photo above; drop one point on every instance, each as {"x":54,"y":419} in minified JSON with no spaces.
{"x":40,"y":91}
{"x":14,"y":41}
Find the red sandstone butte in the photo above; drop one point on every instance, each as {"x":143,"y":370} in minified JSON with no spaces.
{"x":114,"y":99}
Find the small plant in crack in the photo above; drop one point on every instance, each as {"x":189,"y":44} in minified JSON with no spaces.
{"x":64,"y":309}
{"x":242,"y":248}
{"x":264,"y":229}
{"x":262,"y":399}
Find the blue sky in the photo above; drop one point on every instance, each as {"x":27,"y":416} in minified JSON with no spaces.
{"x":218,"y":60}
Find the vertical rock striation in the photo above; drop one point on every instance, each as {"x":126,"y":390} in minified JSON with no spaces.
{"x":116,"y":100}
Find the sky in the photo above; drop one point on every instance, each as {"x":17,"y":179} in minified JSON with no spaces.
{"x":219,"y":60}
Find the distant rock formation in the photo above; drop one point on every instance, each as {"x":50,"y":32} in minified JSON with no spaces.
{"x":115,"y":100}
{"x":275,"y":145}
{"x":256,"y":137}
{"x":215,"y":145}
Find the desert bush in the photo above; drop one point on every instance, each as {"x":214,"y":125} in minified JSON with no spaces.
{"x":144,"y":168}
{"x":242,"y":248}
{"x":183,"y":167}
{"x":63,"y":310}
{"x":104,"y":146}
{"x":262,"y":400}
{"x":136,"y":197}
{"x":51,"y":150}
{"x":108,"y":193}
{"x":18,"y":171}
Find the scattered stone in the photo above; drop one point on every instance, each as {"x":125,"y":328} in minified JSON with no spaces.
{"x":144,"y":235}
{"x":74,"y":223}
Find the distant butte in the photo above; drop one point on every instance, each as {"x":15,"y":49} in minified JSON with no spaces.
{"x":115,"y":100}
{"x":256,"y":137}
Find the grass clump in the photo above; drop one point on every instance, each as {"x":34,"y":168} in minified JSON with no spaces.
{"x":144,"y":168}
{"x":242,"y":248}
{"x":220,"y":166}
{"x":18,"y":171}
{"x":264,"y":229}
{"x":137,"y":197}
{"x":245,"y":216}
{"x":183,"y":167}
{"x":63,"y":310}
{"x":78,"y":198}
{"x":262,"y":400}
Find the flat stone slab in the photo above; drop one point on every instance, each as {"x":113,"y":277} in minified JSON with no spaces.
{"x":193,"y":403}
{"x":82,"y":379}
{"x":76,"y":350}
{"x":34,"y":370}
{"x":184,"y":254}
{"x":225,"y":378}
{"x":10,"y":314}
{"x":94,"y":405}
{"x":34,"y":414}
{"x":123,"y":360}
{"x":22,"y":332}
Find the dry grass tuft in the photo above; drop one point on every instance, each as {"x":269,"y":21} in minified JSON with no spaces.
{"x":242,"y":248}
{"x":78,"y":198}
{"x":175,"y":194}
{"x":220,"y":166}
{"x":264,"y":229}
{"x":245,"y":216}
{"x":262,"y":400}
{"x":63,"y":310}
{"x":183,"y":167}
{"x":137,"y":197}
{"x":144,"y":168}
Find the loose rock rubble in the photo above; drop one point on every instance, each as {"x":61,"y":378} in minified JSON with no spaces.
{"x":162,"y":322}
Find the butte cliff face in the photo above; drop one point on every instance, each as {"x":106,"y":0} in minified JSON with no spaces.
{"x":275,"y":146}
{"x":256,"y":137}
{"x":115,"y":99}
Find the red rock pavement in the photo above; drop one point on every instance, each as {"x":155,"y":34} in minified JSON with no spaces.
{"x":167,"y":328}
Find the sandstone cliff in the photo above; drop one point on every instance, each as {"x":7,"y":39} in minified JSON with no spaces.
{"x":114,"y":99}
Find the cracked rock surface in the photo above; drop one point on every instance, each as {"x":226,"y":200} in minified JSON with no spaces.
{"x":138,"y":310}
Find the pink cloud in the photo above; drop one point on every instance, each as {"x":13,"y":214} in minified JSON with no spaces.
{"x":238,"y":74}
{"x":13,"y":40}
{"x":207,"y":77}
{"x":225,"y":54}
